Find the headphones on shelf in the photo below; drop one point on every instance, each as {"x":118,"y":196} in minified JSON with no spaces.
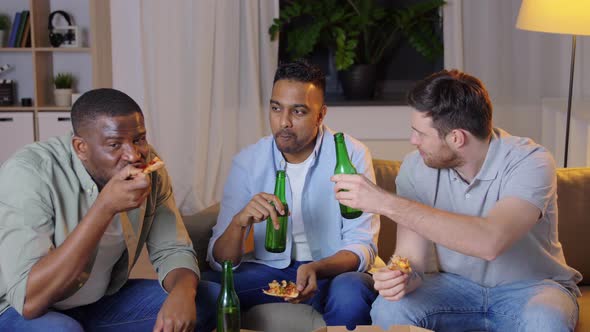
{"x":58,"y":38}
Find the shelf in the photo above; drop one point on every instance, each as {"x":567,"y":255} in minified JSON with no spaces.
{"x":15,"y":49}
{"x":54,"y":108}
{"x":63,"y":49}
{"x":16,"y":109}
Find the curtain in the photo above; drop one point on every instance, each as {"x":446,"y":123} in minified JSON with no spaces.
{"x":208,"y":67}
{"x":525,"y":72}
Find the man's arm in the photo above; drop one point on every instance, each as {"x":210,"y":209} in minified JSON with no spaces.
{"x":484,"y":237}
{"x":179,"y":312}
{"x":54,"y":275}
{"x":527,"y":189}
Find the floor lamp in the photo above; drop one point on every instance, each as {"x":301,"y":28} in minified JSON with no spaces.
{"x":571,"y":17}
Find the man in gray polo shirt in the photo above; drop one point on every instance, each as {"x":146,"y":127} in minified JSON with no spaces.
{"x":484,"y":204}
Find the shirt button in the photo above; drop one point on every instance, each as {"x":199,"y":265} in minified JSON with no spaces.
{"x":467,"y":195}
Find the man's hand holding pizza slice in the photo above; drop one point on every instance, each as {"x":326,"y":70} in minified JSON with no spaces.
{"x":392,"y":281}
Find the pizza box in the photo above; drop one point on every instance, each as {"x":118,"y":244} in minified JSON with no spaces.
{"x":372,"y":328}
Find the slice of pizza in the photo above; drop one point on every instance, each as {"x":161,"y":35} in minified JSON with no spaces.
{"x":154,"y":165}
{"x":399,"y":263}
{"x":283,"y":289}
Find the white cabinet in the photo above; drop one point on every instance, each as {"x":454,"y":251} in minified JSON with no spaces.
{"x":54,"y":124}
{"x":16,"y":131}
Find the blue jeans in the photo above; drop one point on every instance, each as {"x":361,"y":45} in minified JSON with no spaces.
{"x":448,"y":302}
{"x":134,"y":307}
{"x":343,"y":300}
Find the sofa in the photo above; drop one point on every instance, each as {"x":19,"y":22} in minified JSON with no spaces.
{"x":573,"y":188}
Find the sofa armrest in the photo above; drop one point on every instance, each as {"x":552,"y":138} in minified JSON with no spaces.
{"x":199,"y":227}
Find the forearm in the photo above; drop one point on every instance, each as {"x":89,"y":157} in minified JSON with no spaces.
{"x":55,"y":274}
{"x":340,"y":262}
{"x":230,"y":245}
{"x":181,"y":278}
{"x":470,"y":235}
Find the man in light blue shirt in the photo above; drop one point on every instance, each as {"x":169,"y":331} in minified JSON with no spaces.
{"x":326,"y":254}
{"x":487,"y":202}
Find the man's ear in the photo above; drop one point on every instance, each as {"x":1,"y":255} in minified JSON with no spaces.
{"x":322,"y":115}
{"x":458,"y":138}
{"x":80,"y":147}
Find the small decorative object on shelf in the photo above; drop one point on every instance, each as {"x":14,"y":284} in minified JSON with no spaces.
{"x":63,"y":89}
{"x":6,"y":88}
{"x":4,"y":27}
{"x":63,"y":36}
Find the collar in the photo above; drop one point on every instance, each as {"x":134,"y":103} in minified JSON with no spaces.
{"x":86,"y":182}
{"x":281,"y":163}
{"x":489,"y":170}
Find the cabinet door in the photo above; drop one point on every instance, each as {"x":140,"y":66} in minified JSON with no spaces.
{"x":54,"y":124}
{"x":16,"y":131}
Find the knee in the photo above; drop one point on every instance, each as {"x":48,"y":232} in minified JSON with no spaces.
{"x":386,"y":313}
{"x":548,"y":317}
{"x":349,"y":287}
{"x":208,"y":292}
{"x":53,"y":321}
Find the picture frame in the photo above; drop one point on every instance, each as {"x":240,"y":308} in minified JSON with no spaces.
{"x":71,"y":34}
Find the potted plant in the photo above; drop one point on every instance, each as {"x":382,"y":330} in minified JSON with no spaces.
{"x":360,"y":33}
{"x":4,"y":27}
{"x":63,"y":89}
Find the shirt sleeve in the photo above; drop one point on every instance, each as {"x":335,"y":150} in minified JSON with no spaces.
{"x":404,"y":182}
{"x":533,"y":179}
{"x":168,"y":242}
{"x":235,"y":196}
{"x":26,"y":227}
{"x":360,"y":235}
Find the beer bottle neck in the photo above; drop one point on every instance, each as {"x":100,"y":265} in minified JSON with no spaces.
{"x":341,"y":152}
{"x":227,"y":282}
{"x":280,"y":186}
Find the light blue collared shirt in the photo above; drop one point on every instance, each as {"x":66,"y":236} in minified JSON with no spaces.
{"x":254,"y":171}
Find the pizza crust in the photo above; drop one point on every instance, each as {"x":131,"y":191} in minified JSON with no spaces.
{"x":153,"y":165}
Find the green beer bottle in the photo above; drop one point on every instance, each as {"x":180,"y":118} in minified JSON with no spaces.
{"x":276,"y":239}
{"x":344,"y":166}
{"x":228,"y":304}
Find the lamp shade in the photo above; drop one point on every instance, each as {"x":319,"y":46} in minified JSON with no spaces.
{"x":570,"y":17}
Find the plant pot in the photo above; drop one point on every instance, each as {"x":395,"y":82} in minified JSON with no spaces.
{"x":63,"y":97}
{"x":358,"y":82}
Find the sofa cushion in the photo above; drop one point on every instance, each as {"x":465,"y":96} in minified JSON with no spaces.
{"x":573,"y":203}
{"x":199,"y":227}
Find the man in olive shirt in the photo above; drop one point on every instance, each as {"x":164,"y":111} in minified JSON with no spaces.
{"x":75,"y":213}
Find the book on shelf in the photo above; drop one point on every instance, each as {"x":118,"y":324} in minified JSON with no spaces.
{"x":26,"y":37}
{"x":14,"y":30}
{"x":24,"y":17}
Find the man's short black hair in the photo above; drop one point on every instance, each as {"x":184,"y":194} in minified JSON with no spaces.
{"x":301,"y":70}
{"x":101,"y":102}
{"x":454,"y":100}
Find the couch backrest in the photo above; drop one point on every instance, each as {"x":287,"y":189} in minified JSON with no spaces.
{"x":573,"y":200}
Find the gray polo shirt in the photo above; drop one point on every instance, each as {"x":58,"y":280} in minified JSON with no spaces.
{"x":44,"y":193}
{"x":514,"y":167}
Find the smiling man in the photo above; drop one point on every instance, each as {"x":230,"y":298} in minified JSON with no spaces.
{"x":76,"y":211}
{"x":487,"y":201}
{"x":326,"y":254}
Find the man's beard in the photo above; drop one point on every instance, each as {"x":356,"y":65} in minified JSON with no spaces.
{"x":293,"y":146}
{"x":443,"y":159}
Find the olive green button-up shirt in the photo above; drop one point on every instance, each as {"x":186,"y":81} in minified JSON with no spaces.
{"x":44,"y":193}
